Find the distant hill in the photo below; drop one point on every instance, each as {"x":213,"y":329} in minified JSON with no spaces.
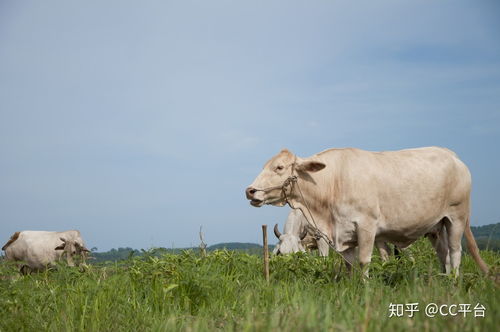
{"x":487,"y":237}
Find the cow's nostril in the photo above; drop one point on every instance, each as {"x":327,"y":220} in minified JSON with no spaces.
{"x":250,"y":191}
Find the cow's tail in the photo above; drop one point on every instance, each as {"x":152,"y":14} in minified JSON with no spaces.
{"x":11,"y":240}
{"x":473,"y":249}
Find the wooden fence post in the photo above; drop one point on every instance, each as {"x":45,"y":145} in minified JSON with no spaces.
{"x":266,"y":253}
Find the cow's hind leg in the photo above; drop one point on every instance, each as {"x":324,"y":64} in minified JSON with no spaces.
{"x":455,"y":226}
{"x":439,"y":241}
{"x":323,"y":248}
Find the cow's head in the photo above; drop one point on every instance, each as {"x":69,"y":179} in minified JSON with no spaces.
{"x":72,"y":249}
{"x":267,"y":188}
{"x":288,"y":243}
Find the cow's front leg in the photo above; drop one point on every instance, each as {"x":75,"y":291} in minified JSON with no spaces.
{"x":366,"y":241}
{"x":323,"y":248}
{"x":439,"y":241}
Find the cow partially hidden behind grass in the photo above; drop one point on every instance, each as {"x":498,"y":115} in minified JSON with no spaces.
{"x":298,"y":235}
{"x":38,"y":250}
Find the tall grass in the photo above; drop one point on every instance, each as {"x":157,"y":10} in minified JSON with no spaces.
{"x":226,"y":291}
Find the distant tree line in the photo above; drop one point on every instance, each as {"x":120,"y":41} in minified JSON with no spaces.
{"x":125,"y":253}
{"x":487,"y":237}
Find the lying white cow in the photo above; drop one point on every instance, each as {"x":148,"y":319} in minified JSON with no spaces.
{"x":359,"y":197}
{"x":41,"y":249}
{"x":299,"y":236}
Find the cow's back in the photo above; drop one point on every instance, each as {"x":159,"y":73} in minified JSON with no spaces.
{"x":426,"y":171}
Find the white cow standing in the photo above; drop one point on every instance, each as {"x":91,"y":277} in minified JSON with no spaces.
{"x":359,"y":197}
{"x":41,"y":249}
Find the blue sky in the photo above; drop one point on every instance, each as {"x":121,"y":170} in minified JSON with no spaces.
{"x":137,"y":122}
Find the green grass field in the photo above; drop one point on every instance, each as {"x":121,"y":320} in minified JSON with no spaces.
{"x":226,"y":291}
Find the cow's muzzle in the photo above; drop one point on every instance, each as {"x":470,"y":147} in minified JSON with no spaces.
{"x":250,"y":193}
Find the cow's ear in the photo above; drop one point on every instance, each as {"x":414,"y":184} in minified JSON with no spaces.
{"x":60,"y":247}
{"x":310,"y":166}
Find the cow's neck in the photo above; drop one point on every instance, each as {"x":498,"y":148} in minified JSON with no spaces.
{"x":308,"y":198}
